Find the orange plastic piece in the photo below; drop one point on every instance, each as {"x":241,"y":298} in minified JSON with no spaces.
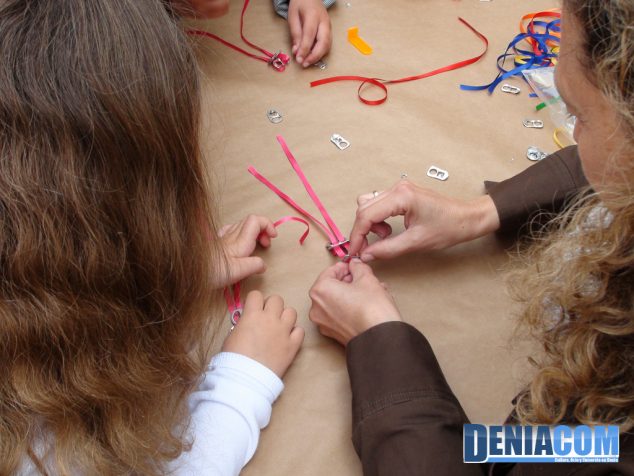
{"x":358,"y":42}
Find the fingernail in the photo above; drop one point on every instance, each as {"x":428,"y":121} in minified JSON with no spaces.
{"x":306,"y":64}
{"x":294,"y":49}
{"x":300,"y":59}
{"x":367,"y":257}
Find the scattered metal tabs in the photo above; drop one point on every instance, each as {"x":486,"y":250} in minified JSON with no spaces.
{"x":403,"y":176}
{"x":274,"y":116}
{"x":321,"y":64}
{"x":535,"y":154}
{"x":437,"y":173}
{"x":348,"y":4}
{"x":339,"y":141}
{"x":533,"y":123}
{"x":507,"y":88}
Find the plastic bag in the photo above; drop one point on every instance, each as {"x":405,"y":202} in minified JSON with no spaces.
{"x":542,"y":80}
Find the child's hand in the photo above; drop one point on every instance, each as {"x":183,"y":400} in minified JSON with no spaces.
{"x":239,"y":240}
{"x":311,"y":34}
{"x":266,"y":333}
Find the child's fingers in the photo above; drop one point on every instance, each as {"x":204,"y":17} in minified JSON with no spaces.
{"x":255,"y":224}
{"x":264,"y":238}
{"x":254,"y":302}
{"x":309,"y":31}
{"x":289,"y":317}
{"x":322,"y":44}
{"x":295,"y":28}
{"x":245,"y":267}
{"x":296,"y":338}
{"x":227,"y":229}
{"x":274,"y":305}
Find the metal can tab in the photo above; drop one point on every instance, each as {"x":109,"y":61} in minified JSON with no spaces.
{"x":274,"y":116}
{"x":507,"y":88}
{"x":339,"y":141}
{"x":535,"y":154}
{"x":279,"y":61}
{"x":437,"y":173}
{"x":533,"y":123}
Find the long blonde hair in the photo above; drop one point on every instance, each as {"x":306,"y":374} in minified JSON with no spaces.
{"x":578,"y":282}
{"x":106,"y":236}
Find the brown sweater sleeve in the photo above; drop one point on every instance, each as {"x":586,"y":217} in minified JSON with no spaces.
{"x":406,"y":419}
{"x":546,"y":186}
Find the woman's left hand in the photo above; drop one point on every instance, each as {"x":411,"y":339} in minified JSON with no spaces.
{"x":348,"y":299}
{"x":240,"y":240}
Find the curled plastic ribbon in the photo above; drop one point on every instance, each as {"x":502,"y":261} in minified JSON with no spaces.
{"x":536,"y":46}
{"x":382,"y":83}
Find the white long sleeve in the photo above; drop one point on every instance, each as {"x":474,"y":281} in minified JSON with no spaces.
{"x":229,"y":408}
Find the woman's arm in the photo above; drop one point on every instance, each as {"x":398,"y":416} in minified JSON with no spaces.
{"x":434,"y":221}
{"x":547,"y":186}
{"x":406,"y":419}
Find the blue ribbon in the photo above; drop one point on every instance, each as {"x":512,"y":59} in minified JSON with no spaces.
{"x":532,"y":60}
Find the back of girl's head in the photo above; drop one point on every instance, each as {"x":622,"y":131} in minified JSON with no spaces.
{"x":105,"y":226}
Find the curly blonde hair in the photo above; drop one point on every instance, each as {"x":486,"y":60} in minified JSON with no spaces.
{"x":106,"y":237}
{"x":578,"y":282}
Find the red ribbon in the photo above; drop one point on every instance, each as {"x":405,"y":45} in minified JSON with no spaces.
{"x":336,"y":238}
{"x":382,"y":83}
{"x":278,"y":60}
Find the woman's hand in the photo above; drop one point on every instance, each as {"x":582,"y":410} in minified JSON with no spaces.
{"x":432,"y":221}
{"x":266,"y":332}
{"x":348,"y":299}
{"x":240,"y":240}
{"x":311,"y":33}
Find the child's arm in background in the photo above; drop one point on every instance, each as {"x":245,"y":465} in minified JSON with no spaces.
{"x":234,"y":400}
{"x":309,"y":24}
{"x":308,"y":21}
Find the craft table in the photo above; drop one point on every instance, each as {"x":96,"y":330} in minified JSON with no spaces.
{"x":457,"y":298}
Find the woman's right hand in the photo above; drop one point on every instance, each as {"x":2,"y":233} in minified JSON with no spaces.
{"x":266,"y":333}
{"x":432,"y":221}
{"x":348,"y":299}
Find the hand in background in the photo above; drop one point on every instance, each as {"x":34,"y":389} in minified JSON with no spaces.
{"x":311,"y":33}
{"x":266,"y":333}
{"x":348,"y":300}
{"x":432,"y":221}
{"x":240,"y":240}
